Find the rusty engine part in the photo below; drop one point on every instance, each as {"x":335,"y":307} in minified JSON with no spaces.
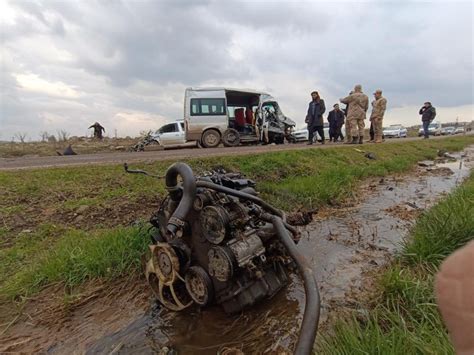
{"x":216,"y":242}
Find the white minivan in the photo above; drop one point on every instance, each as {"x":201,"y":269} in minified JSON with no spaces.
{"x":233,"y":117}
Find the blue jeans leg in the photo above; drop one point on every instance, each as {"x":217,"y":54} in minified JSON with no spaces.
{"x":425,"y":128}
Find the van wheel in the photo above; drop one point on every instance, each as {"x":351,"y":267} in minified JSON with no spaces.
{"x":211,"y":138}
{"x":231,"y":138}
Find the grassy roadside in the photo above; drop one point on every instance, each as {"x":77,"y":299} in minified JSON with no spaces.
{"x":63,"y":217}
{"x":403,"y":317}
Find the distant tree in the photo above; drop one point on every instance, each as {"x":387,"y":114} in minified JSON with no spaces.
{"x":52,"y":139}
{"x":21,"y":136}
{"x":62,"y":135}
{"x":44,"y":136}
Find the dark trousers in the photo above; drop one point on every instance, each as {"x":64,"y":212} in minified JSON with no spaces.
{"x":425,"y":128}
{"x":335,"y":133}
{"x":338,"y":134}
{"x":318,"y":129}
{"x":371,"y":131}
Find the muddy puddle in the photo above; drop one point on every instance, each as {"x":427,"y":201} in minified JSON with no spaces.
{"x":343,"y":244}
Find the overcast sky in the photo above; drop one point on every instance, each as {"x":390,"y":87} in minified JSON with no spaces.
{"x":66,"y":64}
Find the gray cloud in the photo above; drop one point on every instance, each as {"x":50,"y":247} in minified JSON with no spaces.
{"x":99,"y":59}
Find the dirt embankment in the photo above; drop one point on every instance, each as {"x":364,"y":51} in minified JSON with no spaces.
{"x":346,"y":245}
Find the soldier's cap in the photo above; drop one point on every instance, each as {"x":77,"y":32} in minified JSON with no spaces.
{"x":378,"y":91}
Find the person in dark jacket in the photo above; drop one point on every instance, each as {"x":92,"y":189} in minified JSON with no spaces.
{"x":336,"y":120}
{"x":428,"y":114}
{"x":314,"y":117}
{"x":97,"y":130}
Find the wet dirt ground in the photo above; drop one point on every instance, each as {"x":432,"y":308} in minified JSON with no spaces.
{"x":344,"y":245}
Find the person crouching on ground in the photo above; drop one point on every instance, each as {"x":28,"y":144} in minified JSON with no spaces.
{"x":314,"y":117}
{"x":358,"y":106}
{"x":336,"y":120}
{"x":428,"y":113}
{"x":379,"y":106}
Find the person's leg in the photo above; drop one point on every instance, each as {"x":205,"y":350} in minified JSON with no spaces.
{"x":321,"y":133}
{"x":339,"y":130}
{"x":372,"y":131}
{"x":310,"y":134}
{"x":378,"y":123}
{"x":348,"y":131}
{"x":354,"y":130}
{"x":361,"y":126}
{"x":425,"y":128}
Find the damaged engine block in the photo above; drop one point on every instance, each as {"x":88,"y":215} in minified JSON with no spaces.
{"x":214,"y":243}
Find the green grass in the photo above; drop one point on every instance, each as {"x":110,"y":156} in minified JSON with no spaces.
{"x":59,"y":253}
{"x":80,"y":256}
{"x":403,"y":317}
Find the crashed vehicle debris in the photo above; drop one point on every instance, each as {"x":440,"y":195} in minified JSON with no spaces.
{"x":215,"y":241}
{"x":147,"y":139}
{"x":233,"y":117}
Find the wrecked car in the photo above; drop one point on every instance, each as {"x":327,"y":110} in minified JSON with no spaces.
{"x":234,"y":117}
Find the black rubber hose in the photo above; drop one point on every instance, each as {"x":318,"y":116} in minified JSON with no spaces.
{"x":185,"y":196}
{"x":247,"y":196}
{"x":309,"y":326}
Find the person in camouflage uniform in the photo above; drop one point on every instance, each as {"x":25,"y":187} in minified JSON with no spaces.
{"x":379,"y":106}
{"x":347,"y":126}
{"x":358,"y":106}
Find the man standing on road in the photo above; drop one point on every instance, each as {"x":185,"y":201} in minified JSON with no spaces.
{"x":314,"y":117}
{"x":358,"y":106}
{"x":97,"y":130}
{"x":428,"y":113}
{"x":336,"y":120}
{"x":376,"y":118}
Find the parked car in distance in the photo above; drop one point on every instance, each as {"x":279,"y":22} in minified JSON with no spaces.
{"x":459,"y":130}
{"x":447,"y":130}
{"x":395,"y":131}
{"x":434,"y":129}
{"x":301,"y":135}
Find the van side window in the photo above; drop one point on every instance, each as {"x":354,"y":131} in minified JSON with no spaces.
{"x":207,"y":107}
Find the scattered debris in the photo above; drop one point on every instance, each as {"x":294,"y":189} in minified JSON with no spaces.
{"x":426,"y":163}
{"x":370,"y":155}
{"x":67,"y":151}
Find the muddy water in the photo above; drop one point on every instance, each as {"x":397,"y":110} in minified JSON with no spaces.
{"x":342,"y":244}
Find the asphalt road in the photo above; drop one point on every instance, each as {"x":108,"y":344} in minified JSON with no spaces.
{"x":29,"y":162}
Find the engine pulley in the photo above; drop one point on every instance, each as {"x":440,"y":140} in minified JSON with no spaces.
{"x":165,"y":262}
{"x":199,"y":285}
{"x":220,"y":263}
{"x":214,"y":222}
{"x":162,"y":273}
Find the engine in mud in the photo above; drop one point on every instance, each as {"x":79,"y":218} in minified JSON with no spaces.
{"x":214,"y":243}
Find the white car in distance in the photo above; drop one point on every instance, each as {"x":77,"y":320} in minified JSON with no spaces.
{"x":395,"y":131}
{"x":302,"y":135}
